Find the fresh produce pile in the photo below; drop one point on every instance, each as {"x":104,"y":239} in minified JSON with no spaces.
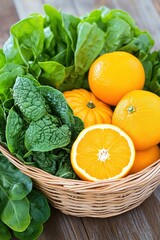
{"x":53,"y":72}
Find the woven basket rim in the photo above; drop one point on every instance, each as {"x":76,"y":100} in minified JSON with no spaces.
{"x":135,"y":178}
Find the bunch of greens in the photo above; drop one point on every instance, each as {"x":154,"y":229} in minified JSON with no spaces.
{"x":58,"y":48}
{"x":23,"y":210}
{"x":46,"y":55}
{"x":38,"y":126}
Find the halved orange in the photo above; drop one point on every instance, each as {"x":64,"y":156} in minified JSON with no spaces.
{"x":102,"y":151}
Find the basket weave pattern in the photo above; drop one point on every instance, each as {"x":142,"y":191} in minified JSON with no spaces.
{"x":93,"y":199}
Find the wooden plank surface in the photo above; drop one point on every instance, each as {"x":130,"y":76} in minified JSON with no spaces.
{"x":143,"y":222}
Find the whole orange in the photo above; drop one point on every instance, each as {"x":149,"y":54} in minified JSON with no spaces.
{"x":138,"y":114}
{"x":114,"y":74}
{"x":145,"y":158}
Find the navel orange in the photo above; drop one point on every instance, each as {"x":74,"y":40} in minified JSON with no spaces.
{"x":114,"y":74}
{"x":102,"y":151}
{"x":145,"y":158}
{"x":138,"y":114}
{"x":87,"y":107}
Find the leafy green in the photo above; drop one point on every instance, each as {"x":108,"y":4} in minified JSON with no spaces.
{"x":15,"y":131}
{"x":45,"y":135}
{"x":39,"y":208}
{"x":13,"y":191}
{"x":15,"y":183}
{"x":152,"y":68}
{"x":38,"y":122}
{"x":14,"y":212}
{"x":28,"y":99}
{"x":3,"y":60}
{"x":4,"y":232}
{"x":2,"y":125}
{"x":23,"y":209}
{"x":59,"y":48}
{"x":33,"y":231}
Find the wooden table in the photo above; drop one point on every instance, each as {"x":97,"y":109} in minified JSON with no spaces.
{"x":142,"y":223}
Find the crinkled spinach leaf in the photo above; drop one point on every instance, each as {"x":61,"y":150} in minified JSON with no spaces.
{"x":46,"y":161}
{"x":45,"y":134}
{"x":15,"y":131}
{"x":2,"y":125}
{"x":28,"y":99}
{"x":58,"y":104}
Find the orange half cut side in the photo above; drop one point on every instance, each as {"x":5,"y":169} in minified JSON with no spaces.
{"x":102,"y":151}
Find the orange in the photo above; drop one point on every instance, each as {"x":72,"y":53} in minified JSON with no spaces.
{"x":138,"y":114}
{"x":145,"y":158}
{"x":114,"y":74}
{"x":102,"y":151}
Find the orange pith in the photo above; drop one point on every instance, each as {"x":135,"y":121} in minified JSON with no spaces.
{"x":102,"y":151}
{"x":114,"y":74}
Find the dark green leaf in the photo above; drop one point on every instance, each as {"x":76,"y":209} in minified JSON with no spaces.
{"x":14,"y":183}
{"x":4,"y":232}
{"x":53,"y":73}
{"x":16,"y":214}
{"x":46,"y":134}
{"x":39,"y":208}
{"x":32,"y":232}
{"x":58,"y":104}
{"x":28,"y":99}
{"x":89,"y":44}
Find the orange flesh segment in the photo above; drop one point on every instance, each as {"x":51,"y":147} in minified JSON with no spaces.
{"x":106,"y":156}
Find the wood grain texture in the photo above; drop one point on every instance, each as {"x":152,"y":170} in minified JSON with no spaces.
{"x":143,"y":222}
{"x":8,"y":16}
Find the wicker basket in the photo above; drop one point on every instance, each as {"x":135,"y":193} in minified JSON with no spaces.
{"x":93,"y":199}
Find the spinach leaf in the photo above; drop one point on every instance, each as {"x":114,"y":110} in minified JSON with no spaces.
{"x":2,"y":125}
{"x":4,"y":232}
{"x":23,"y":209}
{"x":46,"y":161}
{"x":2,"y":59}
{"x":58,"y":104}
{"x":39,"y":208}
{"x":53,"y":73}
{"x":16,"y":214}
{"x":14,"y":187}
{"x":33,"y":231}
{"x":62,"y":40}
{"x":45,"y":134}
{"x":60,"y":108}
{"x":15,"y":131}
{"x":152,"y":68}
{"x":7,"y":79}
{"x":28,"y":98}
{"x":15,"y":184}
{"x":27,"y":38}
{"x":65,"y":169}
{"x":70,"y":23}
{"x":87,"y":49}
